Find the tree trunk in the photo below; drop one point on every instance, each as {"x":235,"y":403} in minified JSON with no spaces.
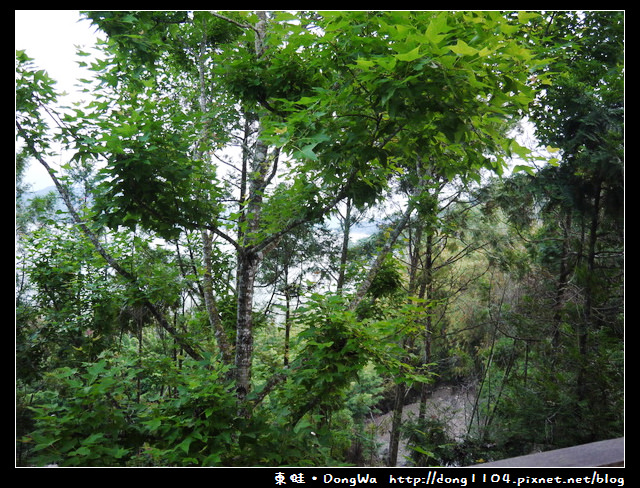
{"x":561,"y":286}
{"x":345,"y":246}
{"x":396,"y":423}
{"x":426,"y":291}
{"x":248,"y":260}
{"x":589,"y":292}
{"x":373,"y":271}
{"x":247,"y":266}
{"x":207,"y":244}
{"x":287,"y":326}
{"x":210,"y":303}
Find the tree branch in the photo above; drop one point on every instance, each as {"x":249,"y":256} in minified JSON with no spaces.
{"x":382,"y":255}
{"x":235,"y":22}
{"x":133,"y":280}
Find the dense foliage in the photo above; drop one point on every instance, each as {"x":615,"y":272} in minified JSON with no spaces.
{"x":195,"y":295}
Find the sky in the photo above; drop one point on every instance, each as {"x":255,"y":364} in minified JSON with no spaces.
{"x":50,"y":37}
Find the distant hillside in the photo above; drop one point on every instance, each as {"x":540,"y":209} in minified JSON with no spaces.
{"x":39,"y":193}
{"x":27,"y":196}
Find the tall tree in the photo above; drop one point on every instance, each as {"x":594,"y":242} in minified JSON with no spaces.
{"x":318,"y":107}
{"x":583,"y":115}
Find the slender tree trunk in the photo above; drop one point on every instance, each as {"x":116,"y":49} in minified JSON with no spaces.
{"x":589,"y":292}
{"x":396,"y":423}
{"x":247,"y":266}
{"x":426,"y":291}
{"x":248,"y":262}
{"x":563,"y":276}
{"x":415,"y":252}
{"x":287,"y":326}
{"x":254,"y":179}
{"x":210,"y":302}
{"x":345,"y":246}
{"x":382,"y":255}
{"x":207,"y":243}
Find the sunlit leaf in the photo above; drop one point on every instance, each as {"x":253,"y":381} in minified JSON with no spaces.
{"x":463,"y":49}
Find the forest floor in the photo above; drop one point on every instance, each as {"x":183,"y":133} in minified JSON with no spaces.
{"x":452,"y":406}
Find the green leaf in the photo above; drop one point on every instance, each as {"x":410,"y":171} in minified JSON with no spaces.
{"x":461,"y":48}
{"x":307,"y":152}
{"x":422,"y":451}
{"x":321,"y":344}
{"x":436,"y":28}
{"x":97,"y":369}
{"x":153,"y":424}
{"x":524,"y":17}
{"x":21,"y":55}
{"x":45,"y":445}
{"x":521,"y":167}
{"x":305,"y":101}
{"x":82,"y":451}
{"x":92,"y":439}
{"x":184,"y":445}
{"x":304,"y":424}
{"x":485,"y":52}
{"x":364,"y":63}
{"x":117,"y":452}
{"x":410,"y":56}
{"x":388,"y":63}
{"x":520,"y":150}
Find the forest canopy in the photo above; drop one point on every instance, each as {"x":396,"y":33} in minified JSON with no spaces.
{"x":270,"y":227}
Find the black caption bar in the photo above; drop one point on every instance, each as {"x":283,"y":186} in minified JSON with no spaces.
{"x":439,"y":477}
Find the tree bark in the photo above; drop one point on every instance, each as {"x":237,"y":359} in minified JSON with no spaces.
{"x":589,"y":292}
{"x":253,"y":181}
{"x":426,"y":291}
{"x":396,"y":422}
{"x":345,"y":246}
{"x":207,"y":243}
{"x":210,"y":302}
{"x":247,"y":266}
{"x":561,"y":285}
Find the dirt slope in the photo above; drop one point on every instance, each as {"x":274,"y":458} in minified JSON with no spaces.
{"x":451,"y":405}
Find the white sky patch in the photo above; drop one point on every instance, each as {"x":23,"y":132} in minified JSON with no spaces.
{"x":51,"y":38}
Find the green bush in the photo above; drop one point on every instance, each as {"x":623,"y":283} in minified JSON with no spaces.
{"x":120,"y":411}
{"x":430,"y":443}
{"x":84,"y":417}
